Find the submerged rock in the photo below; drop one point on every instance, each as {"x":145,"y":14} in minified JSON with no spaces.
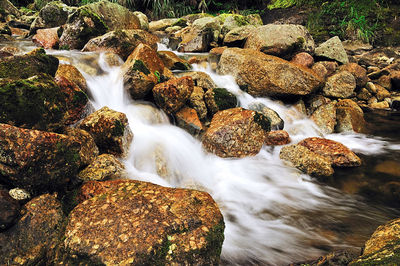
{"x":332,"y":49}
{"x":160,"y":226}
{"x":104,"y":167}
{"x":236,"y":132}
{"x":110,"y":131}
{"x":34,"y":238}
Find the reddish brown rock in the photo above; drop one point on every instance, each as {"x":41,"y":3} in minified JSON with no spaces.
{"x":47,"y":38}
{"x":73,"y":75}
{"x":104,"y":167}
{"x":188,"y":119}
{"x":173,"y":94}
{"x":155,"y":226}
{"x":9,"y":210}
{"x":37,"y":160}
{"x":320,"y":70}
{"x":200,"y":79}
{"x":359,"y":73}
{"x":110,"y":131}
{"x":172,"y":61}
{"x":349,"y":116}
{"x":330,"y":66}
{"x":339,"y":154}
{"x":236,"y":132}
{"x":303,"y":59}
{"x":325,"y":117}
{"x":385,"y":81}
{"x":196,"y":101}
{"x":34,"y":238}
{"x":381,"y":93}
{"x":89,"y":150}
{"x":340,"y":85}
{"x":277,"y":137}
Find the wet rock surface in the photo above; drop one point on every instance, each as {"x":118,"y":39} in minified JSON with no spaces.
{"x":103,"y":167}
{"x":219,"y":99}
{"x":9,"y":210}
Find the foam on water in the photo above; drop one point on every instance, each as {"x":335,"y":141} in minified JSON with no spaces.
{"x":273,"y":213}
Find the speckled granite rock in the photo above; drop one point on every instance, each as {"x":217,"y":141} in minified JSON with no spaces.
{"x":200,"y":79}
{"x":277,"y":137}
{"x":33,"y":239}
{"x":133,"y":222}
{"x":340,"y":85}
{"x":73,"y":75}
{"x":89,"y":150}
{"x":350,"y":117}
{"x":172,"y":61}
{"x":196,"y":101}
{"x":236,"y":132}
{"x":325,"y":117}
{"x":307,"y":161}
{"x":110,"y":131}
{"x":104,"y":167}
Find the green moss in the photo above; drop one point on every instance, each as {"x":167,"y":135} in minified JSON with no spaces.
{"x":181,"y":22}
{"x":241,"y":20}
{"x":80,"y":98}
{"x":224,"y":99}
{"x":215,"y":239}
{"x":141,"y":67}
{"x":275,"y":4}
{"x":262,"y":121}
{"x":118,"y":129}
{"x":70,"y":153}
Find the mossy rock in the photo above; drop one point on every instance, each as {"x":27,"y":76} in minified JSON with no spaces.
{"x":219,"y":99}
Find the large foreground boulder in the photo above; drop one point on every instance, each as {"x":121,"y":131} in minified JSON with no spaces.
{"x":236,"y":132}
{"x":37,"y":160}
{"x":133,"y":222}
{"x":265,"y":75}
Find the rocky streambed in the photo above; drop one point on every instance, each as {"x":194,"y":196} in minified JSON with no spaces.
{"x":269,"y":149}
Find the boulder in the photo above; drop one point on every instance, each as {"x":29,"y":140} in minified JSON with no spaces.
{"x":121,"y":42}
{"x":195,"y":39}
{"x":303,"y":59}
{"x":28,"y":65}
{"x":364,"y":95}
{"x":359,"y":73}
{"x":187,"y":119}
{"x":172,"y":61}
{"x":306,"y":161}
{"x":340,"y":155}
{"x":104,"y":167}
{"x":325,"y":117}
{"x":236,"y":132}
{"x":340,"y":85}
{"x":350,"y":117}
{"x":219,"y":99}
{"x":110,"y":131}
{"x":143,"y":20}
{"x":314,"y":102}
{"x":233,"y":21}
{"x":33,"y":239}
{"x":332,"y":49}
{"x":88,"y":151}
{"x":196,"y":101}
{"x":162,"y":24}
{"x":47,"y":38}
{"x":73,"y":75}
{"x":200,"y":79}
{"x":160,"y":226}
{"x":280,"y":40}
{"x":265,"y":75}
{"x":207,"y":24}
{"x":382,"y":248}
{"x":9,"y":210}
{"x":37,"y":160}
{"x":141,"y":71}
{"x":173,"y":94}
{"x":277,"y":137}
{"x":276,"y":121}
{"x":237,"y":37}
{"x":381,"y":92}
{"x":36,"y":102}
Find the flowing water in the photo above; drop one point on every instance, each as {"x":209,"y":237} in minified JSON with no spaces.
{"x":274,"y":214}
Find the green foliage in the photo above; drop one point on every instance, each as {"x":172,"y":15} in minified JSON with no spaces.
{"x":168,"y":8}
{"x":281,"y":4}
{"x":157,"y":74}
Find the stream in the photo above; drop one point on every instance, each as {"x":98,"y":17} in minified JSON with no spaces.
{"x":274,"y":214}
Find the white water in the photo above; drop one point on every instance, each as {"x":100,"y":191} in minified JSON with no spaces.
{"x":273,"y":213}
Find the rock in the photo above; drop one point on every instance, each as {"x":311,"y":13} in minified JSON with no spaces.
{"x":143,"y":20}
{"x":77,"y":102}
{"x":5,"y":29}
{"x":314,"y":102}
{"x":335,"y":258}
{"x":277,"y":137}
{"x":52,"y":15}
{"x":73,"y":75}
{"x":325,"y":117}
{"x":88,"y":151}
{"x":172,"y":61}
{"x":47,"y":38}
{"x":395,"y":79}
{"x":37,"y":160}
{"x":340,"y":155}
{"x":234,"y":21}
{"x":196,"y":101}
{"x":195,"y":39}
{"x":200,"y":79}
{"x":320,"y":70}
{"x":9,"y":9}
{"x":121,"y":42}
{"x":104,"y":167}
{"x":186,"y":226}
{"x":9,"y":210}
{"x":280,"y":40}
{"x":356,"y":47}
{"x":306,"y":161}
{"x":276,"y":121}
{"x":381,"y":93}
{"x":173,"y":94}
{"x":83,"y":25}
{"x":219,"y":99}
{"x":332,"y":49}
{"x":187,"y":119}
{"x":330,"y":66}
{"x":162,"y":24}
{"x":371,"y":87}
{"x":350,"y":117}
{"x":236,"y":132}
{"x":396,"y":103}
{"x":303,"y":59}
{"x":19,"y":194}
{"x":340,"y":85}
{"x":385,"y":81}
{"x":140,"y":69}
{"x":380,"y":105}
{"x":364,"y":94}
{"x":380,"y":57}
{"x":36,"y":103}
{"x":36,"y":235}
{"x":359,"y":73}
{"x":110,"y":131}
{"x":265,"y":75}
{"x":237,"y":37}
{"x":383,"y":246}
{"x":208,"y":24}
{"x":28,"y":65}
